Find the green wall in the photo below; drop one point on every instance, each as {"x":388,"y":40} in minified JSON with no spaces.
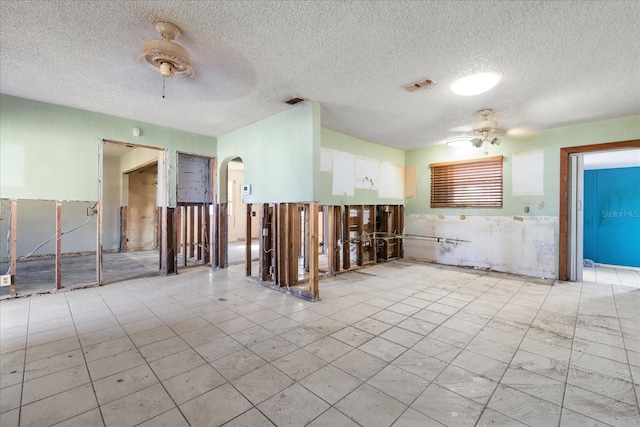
{"x":550,"y":141}
{"x":358,"y":147}
{"x":280,"y":155}
{"x":50,"y":152}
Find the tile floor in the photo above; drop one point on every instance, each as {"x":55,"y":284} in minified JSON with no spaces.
{"x":612,"y":275}
{"x":402,"y":344}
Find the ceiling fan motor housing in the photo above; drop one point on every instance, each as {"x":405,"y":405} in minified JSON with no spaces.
{"x":168,"y":56}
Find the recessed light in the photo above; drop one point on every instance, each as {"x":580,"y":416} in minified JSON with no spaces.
{"x":475,"y":84}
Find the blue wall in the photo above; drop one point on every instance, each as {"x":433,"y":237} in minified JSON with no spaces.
{"x":612,"y":216}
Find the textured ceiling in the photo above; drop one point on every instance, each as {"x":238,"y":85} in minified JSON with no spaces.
{"x":561,"y":62}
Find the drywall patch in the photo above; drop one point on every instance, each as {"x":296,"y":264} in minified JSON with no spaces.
{"x":522,"y":245}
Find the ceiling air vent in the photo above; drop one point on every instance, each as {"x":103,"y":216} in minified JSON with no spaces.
{"x":419,"y":85}
{"x":294,"y":101}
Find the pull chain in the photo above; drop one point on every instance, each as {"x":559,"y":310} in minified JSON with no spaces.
{"x":163,"y":80}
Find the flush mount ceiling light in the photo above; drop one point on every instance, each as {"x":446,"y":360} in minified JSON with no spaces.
{"x":166,"y":55}
{"x":475,"y":84}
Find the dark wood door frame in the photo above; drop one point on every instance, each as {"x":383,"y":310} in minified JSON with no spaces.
{"x":563,"y":237}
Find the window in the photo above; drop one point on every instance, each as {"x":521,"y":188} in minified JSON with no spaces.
{"x":467,"y":184}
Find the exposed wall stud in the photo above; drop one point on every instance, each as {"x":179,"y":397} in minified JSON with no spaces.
{"x":58,"y":244}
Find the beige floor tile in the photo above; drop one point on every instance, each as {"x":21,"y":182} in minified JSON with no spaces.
{"x":447,"y":407}
{"x":359,"y":364}
{"x":53,"y":348}
{"x":106,"y":366}
{"x":218,"y":348}
{"x":330,"y":383}
{"x":101,"y":336}
{"x":238,"y":364}
{"x":253,"y":335}
{"x":352,"y":336}
{"x":466,"y":383}
{"x":202,"y":335}
{"x":481,"y":365}
{"x":399,"y":384}
{"x":369,"y":406}
{"x":215,"y":407}
{"x":332,"y":418}
{"x":193,"y":383}
{"x":159,"y":349}
{"x":540,"y":365}
{"x":382,"y":349}
{"x":137,"y":407}
{"x":52,"y":364}
{"x":534,"y":384}
{"x":176,"y":363}
{"x":10,"y":418}
{"x":251,"y":418}
{"x":303,"y":335}
{"x":596,"y":382}
{"x":298,"y":364}
{"x":262,"y":383}
{"x":413,"y":418}
{"x":58,"y":407}
{"x":123,"y":383}
{"x":90,"y":418}
{"x":49,"y":385}
{"x":171,"y":418}
{"x":524,"y":407}
{"x":492,"y":418}
{"x":12,"y":368}
{"x":438,"y":349}
{"x":569,"y":418}
{"x":372,"y":326}
{"x":107,"y":348}
{"x":419,"y":364}
{"x":283,"y":409}
{"x":273,"y":348}
{"x":328,"y":349}
{"x":10,"y":397}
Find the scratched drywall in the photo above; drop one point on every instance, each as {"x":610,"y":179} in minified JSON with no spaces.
{"x":520,"y":245}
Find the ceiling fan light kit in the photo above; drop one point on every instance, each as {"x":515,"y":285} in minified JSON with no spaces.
{"x":166,"y":55}
{"x":485,"y":127}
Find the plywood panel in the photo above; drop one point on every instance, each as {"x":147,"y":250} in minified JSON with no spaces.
{"x":194,"y":178}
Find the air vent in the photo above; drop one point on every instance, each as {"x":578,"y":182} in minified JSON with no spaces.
{"x":419,"y":85}
{"x":294,"y":101}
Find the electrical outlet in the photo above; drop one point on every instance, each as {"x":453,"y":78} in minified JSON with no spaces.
{"x":5,"y":280}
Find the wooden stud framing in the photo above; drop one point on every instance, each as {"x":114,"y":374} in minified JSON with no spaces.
{"x":13,"y":266}
{"x":248,"y":243}
{"x":312,"y":209}
{"x":58,"y":244}
{"x":124,"y":223}
{"x":281,"y":272}
{"x":206,"y":240}
{"x":185,"y":234}
{"x":329,"y":239}
{"x":221,"y":226}
{"x":172,"y":237}
{"x":294,"y":243}
{"x":265,"y":243}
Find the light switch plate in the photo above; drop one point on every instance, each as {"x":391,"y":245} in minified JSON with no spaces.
{"x":5,"y":280}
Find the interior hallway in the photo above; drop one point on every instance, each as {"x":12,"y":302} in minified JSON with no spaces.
{"x":400,"y":343}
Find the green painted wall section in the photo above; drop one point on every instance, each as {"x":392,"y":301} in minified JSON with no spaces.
{"x":51,"y":152}
{"x":280,"y":155}
{"x":550,"y":141}
{"x":360,"y":148}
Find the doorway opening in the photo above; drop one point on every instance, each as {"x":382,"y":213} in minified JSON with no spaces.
{"x":132,"y":211}
{"x":193,"y":215}
{"x":572,"y":204}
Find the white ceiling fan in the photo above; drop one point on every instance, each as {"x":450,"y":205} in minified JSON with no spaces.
{"x":485,"y":130}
